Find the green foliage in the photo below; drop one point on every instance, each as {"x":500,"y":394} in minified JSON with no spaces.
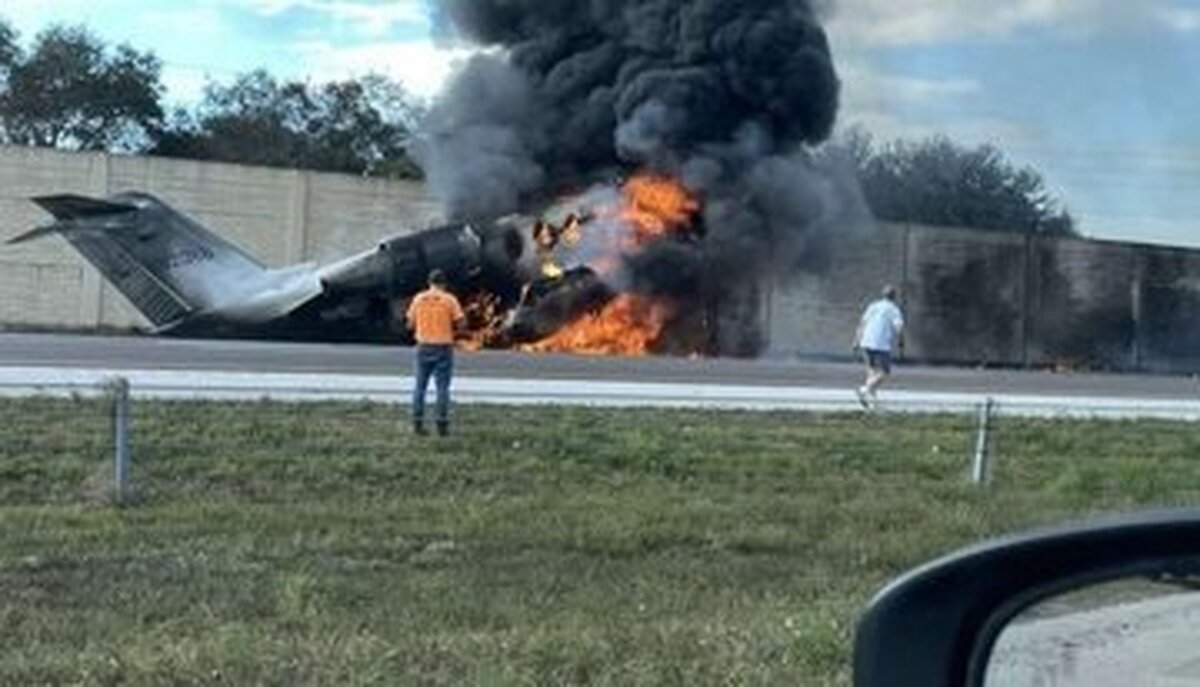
{"x":936,"y":181}
{"x":9,"y":50}
{"x":324,"y":544}
{"x":72,"y":91}
{"x":357,"y":127}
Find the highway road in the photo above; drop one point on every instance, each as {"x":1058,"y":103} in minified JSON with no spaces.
{"x":116,"y":353}
{"x":502,"y":376}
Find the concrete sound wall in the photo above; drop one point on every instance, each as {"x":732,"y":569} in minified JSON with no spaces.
{"x":971,"y":297}
{"x":280,"y":216}
{"x":997,"y":298}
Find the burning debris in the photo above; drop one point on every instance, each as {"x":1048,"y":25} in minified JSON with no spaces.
{"x":700,"y":109}
{"x":578,"y":300}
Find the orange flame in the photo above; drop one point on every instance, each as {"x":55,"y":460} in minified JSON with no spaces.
{"x":484,"y":316}
{"x":651,"y":207}
{"x":630,"y":325}
{"x":656,"y":206}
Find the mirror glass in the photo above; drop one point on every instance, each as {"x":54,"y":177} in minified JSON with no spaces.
{"x":1120,"y":634}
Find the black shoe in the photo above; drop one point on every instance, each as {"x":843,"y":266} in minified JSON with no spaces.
{"x":419,"y":429}
{"x":443,"y":429}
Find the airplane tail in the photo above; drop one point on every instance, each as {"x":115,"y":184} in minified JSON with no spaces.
{"x":167,"y":265}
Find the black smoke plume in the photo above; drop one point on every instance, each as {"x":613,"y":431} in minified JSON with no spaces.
{"x":726,"y":95}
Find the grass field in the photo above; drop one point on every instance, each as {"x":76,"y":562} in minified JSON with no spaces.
{"x":283,"y":545}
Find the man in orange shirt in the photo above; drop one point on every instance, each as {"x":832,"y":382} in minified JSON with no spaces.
{"x":434,"y":315}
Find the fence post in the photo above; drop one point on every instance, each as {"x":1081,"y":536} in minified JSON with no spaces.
{"x":981,"y":468}
{"x":120,"y":394}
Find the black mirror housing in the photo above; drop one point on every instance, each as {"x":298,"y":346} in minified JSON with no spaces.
{"x":936,"y":625}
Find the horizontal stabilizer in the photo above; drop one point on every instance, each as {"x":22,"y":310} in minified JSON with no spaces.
{"x":69,"y":206}
{"x":36,"y":233}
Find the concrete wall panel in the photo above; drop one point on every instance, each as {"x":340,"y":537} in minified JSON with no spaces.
{"x":964,"y":295}
{"x":346,"y":214}
{"x":815,"y":310}
{"x":1080,"y":306}
{"x":1166,"y":296}
{"x":247,"y":205}
{"x":41,"y":295}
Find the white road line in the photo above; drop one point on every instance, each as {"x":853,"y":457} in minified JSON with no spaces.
{"x":295,"y":387}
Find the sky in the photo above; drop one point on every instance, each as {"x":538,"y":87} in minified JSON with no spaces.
{"x":1101,"y":97}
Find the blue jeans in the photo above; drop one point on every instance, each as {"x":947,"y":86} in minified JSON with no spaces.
{"x":438,"y":362}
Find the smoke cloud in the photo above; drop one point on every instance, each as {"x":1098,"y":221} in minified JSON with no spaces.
{"x":727,"y":96}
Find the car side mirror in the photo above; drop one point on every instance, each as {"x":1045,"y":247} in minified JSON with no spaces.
{"x":938,"y":625}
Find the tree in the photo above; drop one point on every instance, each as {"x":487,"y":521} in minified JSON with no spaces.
{"x":936,"y":181}
{"x":9,"y":51}
{"x":357,"y":126}
{"x":71,"y":91}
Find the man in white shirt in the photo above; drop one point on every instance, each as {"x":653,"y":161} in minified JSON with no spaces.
{"x":878,"y":334}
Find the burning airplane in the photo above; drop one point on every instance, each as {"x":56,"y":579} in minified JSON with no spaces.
{"x":528,"y":282}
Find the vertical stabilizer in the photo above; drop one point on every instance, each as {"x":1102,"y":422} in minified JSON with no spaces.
{"x":166,"y":264}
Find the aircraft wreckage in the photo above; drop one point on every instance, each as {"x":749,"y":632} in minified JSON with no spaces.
{"x":526,"y":282}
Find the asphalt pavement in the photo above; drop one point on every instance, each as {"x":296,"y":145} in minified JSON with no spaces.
{"x":224,"y":369}
{"x":160,"y":353}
